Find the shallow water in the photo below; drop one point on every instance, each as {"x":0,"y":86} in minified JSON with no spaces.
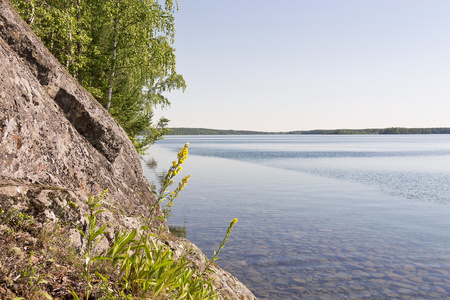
{"x":320,"y":217}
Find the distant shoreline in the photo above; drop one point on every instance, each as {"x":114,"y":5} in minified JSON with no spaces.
{"x":390,"y":130}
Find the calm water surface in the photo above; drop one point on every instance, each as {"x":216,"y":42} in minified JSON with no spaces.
{"x":320,"y":217}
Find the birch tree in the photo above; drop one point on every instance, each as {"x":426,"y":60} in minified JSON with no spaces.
{"x":120,"y":50}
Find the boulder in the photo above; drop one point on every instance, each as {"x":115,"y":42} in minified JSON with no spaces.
{"x":59,"y":146}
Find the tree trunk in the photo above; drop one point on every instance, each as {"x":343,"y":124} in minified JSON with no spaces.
{"x":79,"y":71}
{"x":113,"y":65}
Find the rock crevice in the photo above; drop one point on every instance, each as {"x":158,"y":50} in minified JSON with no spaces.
{"x":58,"y":146}
{"x":86,"y":125}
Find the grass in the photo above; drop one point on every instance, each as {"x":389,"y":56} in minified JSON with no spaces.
{"x":35,"y":262}
{"x":34,"y":258}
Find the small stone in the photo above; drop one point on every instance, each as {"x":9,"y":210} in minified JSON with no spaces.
{"x":258,"y":252}
{"x":299,"y":280}
{"x":256,"y":279}
{"x":394,"y":276}
{"x":368,"y":264}
{"x":405,"y":291}
{"x":403,"y":285}
{"x":416,"y":280}
{"x":378,"y":281}
{"x":34,"y":259}
{"x":434,"y":295}
{"x":440,"y":290}
{"x":409,"y":268}
{"x":360,"y":273}
{"x":377,"y":275}
{"x":295,"y":290}
{"x":443,"y":272}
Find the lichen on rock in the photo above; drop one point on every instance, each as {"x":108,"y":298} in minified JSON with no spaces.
{"x":59,"y":146}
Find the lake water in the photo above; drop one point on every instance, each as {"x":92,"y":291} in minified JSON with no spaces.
{"x":320,"y":217}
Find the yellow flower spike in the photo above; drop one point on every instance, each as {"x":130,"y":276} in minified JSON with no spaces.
{"x":234,"y":221}
{"x":168,"y":181}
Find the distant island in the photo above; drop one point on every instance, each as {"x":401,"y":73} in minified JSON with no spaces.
{"x":391,"y":130}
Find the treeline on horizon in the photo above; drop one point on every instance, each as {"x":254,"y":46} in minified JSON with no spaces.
{"x":391,"y":130}
{"x":206,"y":131}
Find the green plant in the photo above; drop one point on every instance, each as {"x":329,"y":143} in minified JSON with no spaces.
{"x":148,"y":269}
{"x":164,"y":193}
{"x":34,"y":279}
{"x":16,"y":218}
{"x":178,"y":231}
{"x":138,"y":265}
{"x":32,"y":256}
{"x":224,"y":241}
{"x":145,"y":268}
{"x":92,"y":236}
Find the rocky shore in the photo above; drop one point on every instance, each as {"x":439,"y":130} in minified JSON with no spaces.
{"x":58,"y":146}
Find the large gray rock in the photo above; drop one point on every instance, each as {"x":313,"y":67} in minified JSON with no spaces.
{"x":59,"y":145}
{"x":54,"y":133}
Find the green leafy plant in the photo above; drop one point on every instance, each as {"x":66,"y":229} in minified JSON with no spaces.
{"x":92,"y":236}
{"x":149,"y":269}
{"x":164,"y":192}
{"x":224,"y":241}
{"x":144,"y":268}
{"x":25,"y":272}
{"x":34,"y":280}
{"x":138,"y":264}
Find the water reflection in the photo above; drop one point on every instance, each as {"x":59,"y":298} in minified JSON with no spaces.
{"x":321,"y":227}
{"x":151,"y":163}
{"x":178,"y":231}
{"x":156,"y":179}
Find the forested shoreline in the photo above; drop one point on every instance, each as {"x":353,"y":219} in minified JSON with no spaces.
{"x":391,"y":130}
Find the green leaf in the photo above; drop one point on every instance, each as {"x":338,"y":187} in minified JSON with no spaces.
{"x":79,"y":230}
{"x":97,"y":233}
{"x":46,"y":295}
{"x":74,"y":295}
{"x":105,"y":279}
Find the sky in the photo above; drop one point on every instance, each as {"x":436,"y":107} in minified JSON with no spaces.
{"x":312,"y":64}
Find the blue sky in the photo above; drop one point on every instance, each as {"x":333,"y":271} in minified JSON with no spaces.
{"x":312,"y":64}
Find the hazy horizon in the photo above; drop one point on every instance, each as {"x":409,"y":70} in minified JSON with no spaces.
{"x":305,"y":65}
